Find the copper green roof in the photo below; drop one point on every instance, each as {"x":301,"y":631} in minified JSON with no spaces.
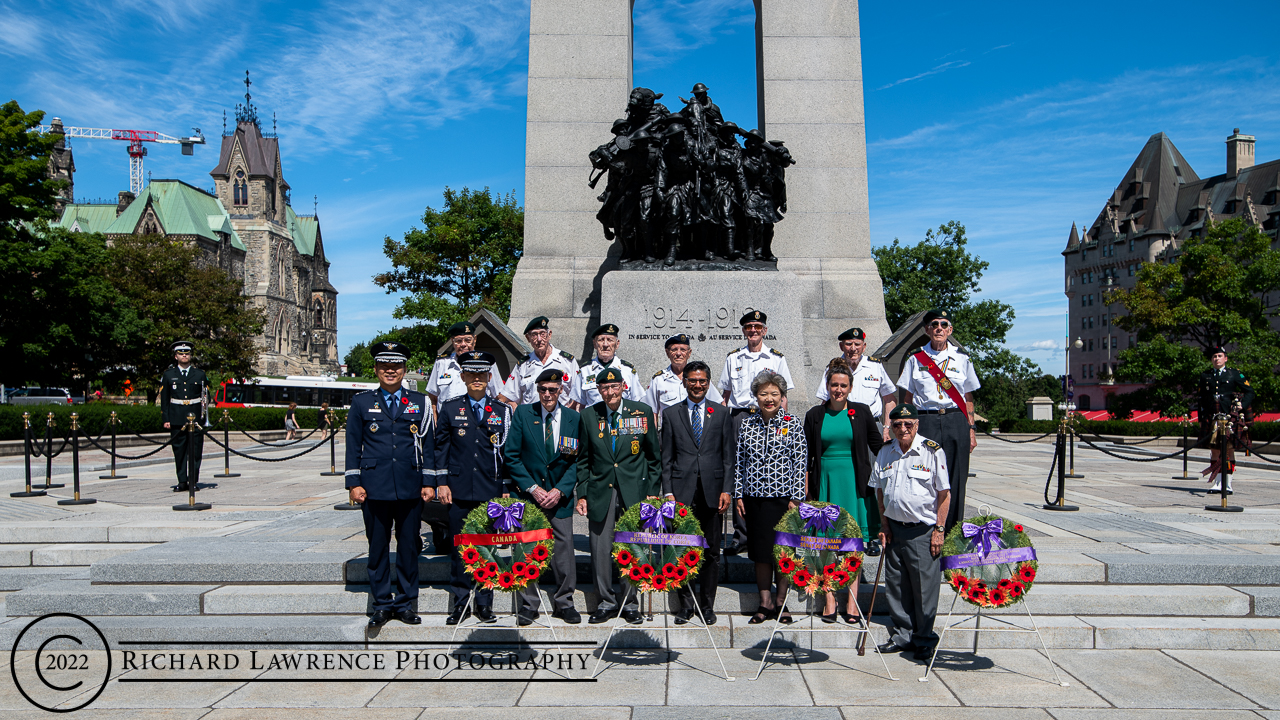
{"x":87,"y":218}
{"x":182,"y":210}
{"x":303,"y":229}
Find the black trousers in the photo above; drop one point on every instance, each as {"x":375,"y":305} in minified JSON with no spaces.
{"x":460,"y":583}
{"x":182,"y":442}
{"x":709,"y":577}
{"x":951,"y":431}
{"x":435,"y":515}
{"x":381,"y":519}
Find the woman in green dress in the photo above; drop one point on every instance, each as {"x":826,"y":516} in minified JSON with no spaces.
{"x":842,"y":439}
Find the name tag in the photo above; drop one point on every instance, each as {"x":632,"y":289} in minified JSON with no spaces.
{"x":375,"y":409}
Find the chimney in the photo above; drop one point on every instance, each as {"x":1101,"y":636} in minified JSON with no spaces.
{"x":1239,"y":152}
{"x":126,"y":198}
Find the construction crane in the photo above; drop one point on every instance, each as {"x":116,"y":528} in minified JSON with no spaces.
{"x":135,"y":138}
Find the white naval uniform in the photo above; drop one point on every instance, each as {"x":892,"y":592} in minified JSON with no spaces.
{"x":446,"y":380}
{"x":584,"y":392}
{"x":522,"y":384}
{"x":741,"y":367}
{"x":870,"y":384}
{"x":666,"y":390}
{"x":925,"y":393}
{"x":911,"y":480}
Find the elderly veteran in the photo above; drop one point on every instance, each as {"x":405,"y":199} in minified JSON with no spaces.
{"x":667,"y":386}
{"x":618,"y":466}
{"x":768,"y":480}
{"x":743,"y":365}
{"x":939,"y":380}
{"x":521,"y":387}
{"x":390,"y":472}
{"x":542,"y":460}
{"x":910,"y":478}
{"x":605,"y":340}
{"x":469,"y":437}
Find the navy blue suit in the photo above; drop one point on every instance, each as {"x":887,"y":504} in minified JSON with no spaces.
{"x":470,"y":465}
{"x":387,"y":459}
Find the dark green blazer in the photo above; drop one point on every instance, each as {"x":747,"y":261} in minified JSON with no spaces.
{"x":526,"y":456}
{"x":634,"y":468}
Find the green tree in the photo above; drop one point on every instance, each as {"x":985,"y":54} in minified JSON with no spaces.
{"x":461,"y":261}
{"x":26,"y":193}
{"x":939,"y":272}
{"x":1212,"y":291}
{"x":180,"y":299}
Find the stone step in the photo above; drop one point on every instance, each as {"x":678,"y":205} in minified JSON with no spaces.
{"x":18,"y":578}
{"x":82,"y":598}
{"x":1191,"y":569}
{"x":81,"y":553}
{"x":731,"y":633}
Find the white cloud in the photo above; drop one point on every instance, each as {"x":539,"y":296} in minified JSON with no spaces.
{"x":937,"y":69}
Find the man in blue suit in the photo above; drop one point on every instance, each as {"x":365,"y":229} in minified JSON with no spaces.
{"x":469,"y":437}
{"x":542,"y":455}
{"x":390,"y":473}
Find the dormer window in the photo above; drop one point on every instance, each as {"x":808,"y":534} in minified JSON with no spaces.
{"x":240,"y":190}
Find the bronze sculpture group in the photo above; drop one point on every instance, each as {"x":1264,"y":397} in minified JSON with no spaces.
{"x":680,"y":186}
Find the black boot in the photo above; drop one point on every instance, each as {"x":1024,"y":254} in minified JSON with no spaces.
{"x":730,"y":252}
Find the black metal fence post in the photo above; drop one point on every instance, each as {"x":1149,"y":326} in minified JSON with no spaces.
{"x":1061,"y":450}
{"x":113,"y":476}
{"x":49,"y":484}
{"x":1185,"y":449}
{"x":75,"y":465}
{"x":26,"y":451}
{"x":226,"y":446}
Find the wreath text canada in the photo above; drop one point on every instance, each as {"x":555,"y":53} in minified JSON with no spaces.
{"x":819,"y":547}
{"x":988,"y":560}
{"x":658,"y":545}
{"x":498,"y":523}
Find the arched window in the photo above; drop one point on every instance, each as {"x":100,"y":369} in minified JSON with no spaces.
{"x":319,"y":314}
{"x":240,"y":190}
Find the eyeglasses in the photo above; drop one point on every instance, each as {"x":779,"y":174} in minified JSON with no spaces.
{"x":538,"y":333}
{"x":548,"y":390}
{"x":939,"y":324}
{"x":696,"y":381}
{"x":903,"y":424}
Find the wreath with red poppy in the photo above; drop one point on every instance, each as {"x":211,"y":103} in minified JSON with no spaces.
{"x":994,"y":585}
{"x":486,"y":565}
{"x":818,"y":571}
{"x":658,"y":568}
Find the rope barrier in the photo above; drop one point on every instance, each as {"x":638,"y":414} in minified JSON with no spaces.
{"x":271,"y":444}
{"x":1131,"y":459}
{"x":1048,"y":480}
{"x":218,"y":442}
{"x":118,"y":456}
{"x":144,"y":437}
{"x":1017,"y":442}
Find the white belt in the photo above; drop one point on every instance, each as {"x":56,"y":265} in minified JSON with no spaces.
{"x":184,"y":402}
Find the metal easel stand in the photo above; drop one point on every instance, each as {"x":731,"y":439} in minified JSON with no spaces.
{"x":861,"y":628}
{"x":515,"y":600}
{"x":977,"y":629}
{"x":696,"y":621}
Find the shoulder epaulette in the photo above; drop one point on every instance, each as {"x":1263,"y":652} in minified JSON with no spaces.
{"x":624,"y":362}
{"x":659,"y":373}
{"x":566,"y":354}
{"x":735,"y":350}
{"x":584,"y":363}
{"x":932,"y":445}
{"x":775,"y":352}
{"x":444,"y":355}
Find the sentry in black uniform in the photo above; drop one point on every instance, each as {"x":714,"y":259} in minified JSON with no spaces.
{"x":389,"y":471}
{"x":469,"y":438}
{"x":1224,"y":390}
{"x":184,"y":391}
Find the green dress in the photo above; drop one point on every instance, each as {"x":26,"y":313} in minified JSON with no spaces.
{"x":839,"y":482}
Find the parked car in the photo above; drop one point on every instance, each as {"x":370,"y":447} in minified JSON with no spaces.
{"x":40,"y":396}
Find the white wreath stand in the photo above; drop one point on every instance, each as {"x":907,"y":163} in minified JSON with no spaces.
{"x":515,"y":600}
{"x":977,"y":629}
{"x":861,"y":628}
{"x":618,"y":623}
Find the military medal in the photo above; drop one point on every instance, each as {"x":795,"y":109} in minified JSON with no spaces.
{"x":462,"y":431}
{"x":373,"y":427}
{"x":413,"y":429}
{"x":493,"y":439}
{"x":635,"y":447}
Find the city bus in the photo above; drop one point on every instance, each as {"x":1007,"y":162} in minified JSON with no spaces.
{"x":306,"y":390}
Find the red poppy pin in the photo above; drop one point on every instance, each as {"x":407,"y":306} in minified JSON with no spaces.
{"x":710,"y":410}
{"x":566,"y":377}
{"x":488,"y":409}
{"x":786,"y":418}
{"x":404,"y":401}
{"x":851,"y":411}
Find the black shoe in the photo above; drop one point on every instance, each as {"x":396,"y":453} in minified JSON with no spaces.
{"x":570,"y":615}
{"x":709,"y":617}
{"x":889,"y":647}
{"x":873,"y":548}
{"x":682,"y":616}
{"x":925,"y":655}
{"x":526,"y":617}
{"x":600,"y":616}
{"x":459,"y":614}
{"x":485,"y":614}
{"x":733,"y":549}
{"x":633,"y":617}
{"x":408,"y":617}
{"x":829,"y":619}
{"x":379,"y":618}
{"x":180,"y":488}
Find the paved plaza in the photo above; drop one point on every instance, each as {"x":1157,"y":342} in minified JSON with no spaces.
{"x":1147,"y":603}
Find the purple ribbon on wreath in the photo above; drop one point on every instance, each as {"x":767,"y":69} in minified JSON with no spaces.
{"x":652,"y":518}
{"x":819,"y":518}
{"x":506,"y":518}
{"x":984,"y":533}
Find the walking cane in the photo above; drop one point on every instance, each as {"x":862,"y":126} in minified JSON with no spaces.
{"x":875,"y":586}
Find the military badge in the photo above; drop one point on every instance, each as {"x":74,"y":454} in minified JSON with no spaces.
{"x":462,"y":431}
{"x":493,"y":439}
{"x":635,"y":447}
{"x":373,"y":427}
{"x":413,"y":429}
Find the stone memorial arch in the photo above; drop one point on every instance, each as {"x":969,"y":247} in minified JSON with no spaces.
{"x":809,"y":86}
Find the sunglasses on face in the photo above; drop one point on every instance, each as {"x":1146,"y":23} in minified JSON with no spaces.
{"x":939,"y":324}
{"x":902,"y":425}
{"x":548,"y":390}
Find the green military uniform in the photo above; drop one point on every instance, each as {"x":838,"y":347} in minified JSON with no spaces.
{"x":1216,"y":390}
{"x":619,"y":465}
{"x":183,"y":393}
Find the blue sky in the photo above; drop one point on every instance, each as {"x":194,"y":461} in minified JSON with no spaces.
{"x":1014,"y":118}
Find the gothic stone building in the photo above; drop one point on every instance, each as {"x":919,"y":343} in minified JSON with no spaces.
{"x":247,"y":227}
{"x":1158,"y":204}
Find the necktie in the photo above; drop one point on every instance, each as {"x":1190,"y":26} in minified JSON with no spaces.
{"x":613,"y":426}
{"x":697,"y":425}
{"x":391,"y":405}
{"x":549,"y":437}
{"x":478,"y":409}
